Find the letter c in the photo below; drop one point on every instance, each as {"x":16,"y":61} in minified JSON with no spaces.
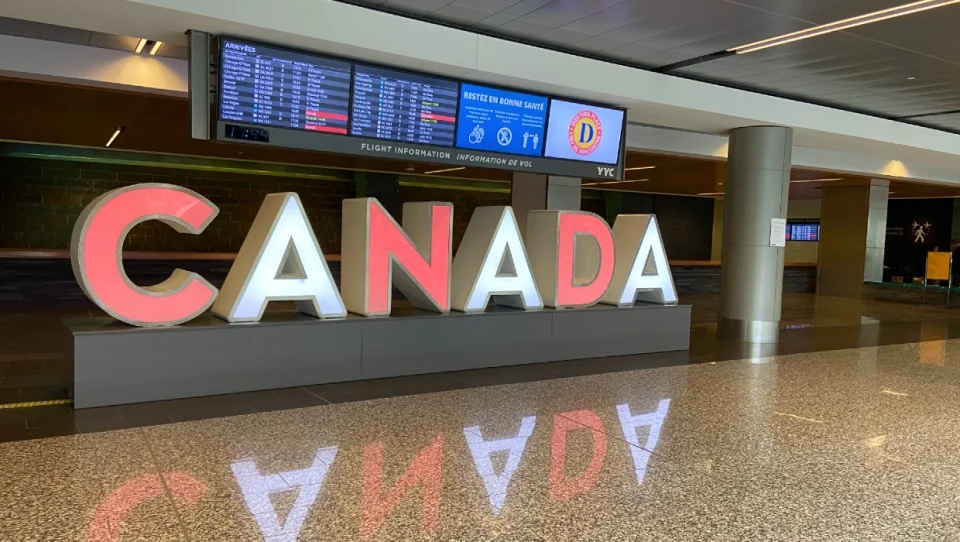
{"x":97,"y":245}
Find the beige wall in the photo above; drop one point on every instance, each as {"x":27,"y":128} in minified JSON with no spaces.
{"x":797,"y":252}
{"x":717,"y":249}
{"x":843,"y":240}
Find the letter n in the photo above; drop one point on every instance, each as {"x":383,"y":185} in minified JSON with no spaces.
{"x":377,"y":254}
{"x":425,"y":471}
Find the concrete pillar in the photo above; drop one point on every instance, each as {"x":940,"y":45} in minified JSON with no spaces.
{"x":876,"y":230}
{"x":853,"y":230}
{"x":751,"y":271}
{"x":532,"y":192}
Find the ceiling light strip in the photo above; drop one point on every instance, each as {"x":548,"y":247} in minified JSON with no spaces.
{"x":140,"y":45}
{"x":873,"y":17}
{"x":116,"y":134}
{"x":816,"y":180}
{"x":616,"y":182}
{"x":443,"y":170}
{"x":156,"y":48}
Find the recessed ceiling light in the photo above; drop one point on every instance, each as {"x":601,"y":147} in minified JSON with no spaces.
{"x":710,"y":194}
{"x":116,"y":134}
{"x":140,"y":45}
{"x":882,"y":15}
{"x":156,"y":48}
{"x":639,"y":168}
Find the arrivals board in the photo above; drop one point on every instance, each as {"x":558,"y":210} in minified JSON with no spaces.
{"x":264,"y":85}
{"x":271,"y":95}
{"x":399,"y":106}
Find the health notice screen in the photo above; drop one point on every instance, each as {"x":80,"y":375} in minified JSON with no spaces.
{"x":584,"y":132}
{"x":263,"y":85}
{"x":498,"y":120}
{"x":401,"y":106}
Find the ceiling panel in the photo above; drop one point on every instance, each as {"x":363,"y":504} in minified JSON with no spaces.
{"x":62,"y":34}
{"x":895,"y":68}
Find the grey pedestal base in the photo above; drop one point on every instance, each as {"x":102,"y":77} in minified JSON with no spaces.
{"x":117,"y":364}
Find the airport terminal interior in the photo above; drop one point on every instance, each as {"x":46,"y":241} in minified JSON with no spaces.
{"x":479,"y":270}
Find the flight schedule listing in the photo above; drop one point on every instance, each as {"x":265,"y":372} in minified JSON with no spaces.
{"x":264,"y":85}
{"x":405,"y":107}
{"x":499,"y":120}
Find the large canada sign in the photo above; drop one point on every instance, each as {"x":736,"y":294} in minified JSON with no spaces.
{"x":567,"y":259}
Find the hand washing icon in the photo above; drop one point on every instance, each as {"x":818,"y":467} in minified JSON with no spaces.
{"x":476,"y":136}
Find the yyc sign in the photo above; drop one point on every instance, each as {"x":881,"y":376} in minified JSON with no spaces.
{"x":566,"y":259}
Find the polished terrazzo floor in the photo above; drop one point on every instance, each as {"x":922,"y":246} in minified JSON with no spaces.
{"x":856,"y":444}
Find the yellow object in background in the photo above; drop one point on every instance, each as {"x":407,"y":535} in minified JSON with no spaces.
{"x":938,"y":266}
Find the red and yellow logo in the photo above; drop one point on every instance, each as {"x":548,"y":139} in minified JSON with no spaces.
{"x":585,"y":132}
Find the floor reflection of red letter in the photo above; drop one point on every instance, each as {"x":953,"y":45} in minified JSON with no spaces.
{"x":118,"y":505}
{"x":561,"y":487}
{"x":376,"y":504}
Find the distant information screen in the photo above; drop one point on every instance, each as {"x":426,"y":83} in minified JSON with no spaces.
{"x":399,"y":106}
{"x":803,"y":231}
{"x":584,"y":132}
{"x":498,"y":120}
{"x":264,"y":85}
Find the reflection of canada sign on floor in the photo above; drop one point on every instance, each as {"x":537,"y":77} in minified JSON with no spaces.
{"x":566,"y":259}
{"x":425,"y":471}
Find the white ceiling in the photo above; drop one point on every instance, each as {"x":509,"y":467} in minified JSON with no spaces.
{"x":866,"y":69}
{"x":76,"y":36}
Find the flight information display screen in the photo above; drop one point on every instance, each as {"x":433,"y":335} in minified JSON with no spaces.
{"x":275,"y":87}
{"x":496,"y":120}
{"x":584,"y":132}
{"x":803,"y":231}
{"x":400,"y":106}
{"x":272,"y":95}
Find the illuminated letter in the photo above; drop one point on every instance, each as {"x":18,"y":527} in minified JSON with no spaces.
{"x":112,"y":512}
{"x":492,"y":262}
{"x":376,"y":505}
{"x":280,"y":260}
{"x":630,"y":423}
{"x":95,"y":252}
{"x":572,"y":256}
{"x":562,"y":488}
{"x":481,"y":450}
{"x":257,"y":489}
{"x":638,"y":241}
{"x":376,"y":253}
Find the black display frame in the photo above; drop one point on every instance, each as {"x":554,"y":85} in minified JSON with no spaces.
{"x":434,"y":154}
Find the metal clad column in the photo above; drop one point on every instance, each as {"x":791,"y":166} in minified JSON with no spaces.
{"x":532,"y":192}
{"x":751,"y":271}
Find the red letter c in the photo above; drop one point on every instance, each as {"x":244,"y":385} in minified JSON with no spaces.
{"x":96,"y":254}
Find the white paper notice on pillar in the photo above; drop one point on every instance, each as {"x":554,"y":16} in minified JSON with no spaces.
{"x":778,"y":232}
